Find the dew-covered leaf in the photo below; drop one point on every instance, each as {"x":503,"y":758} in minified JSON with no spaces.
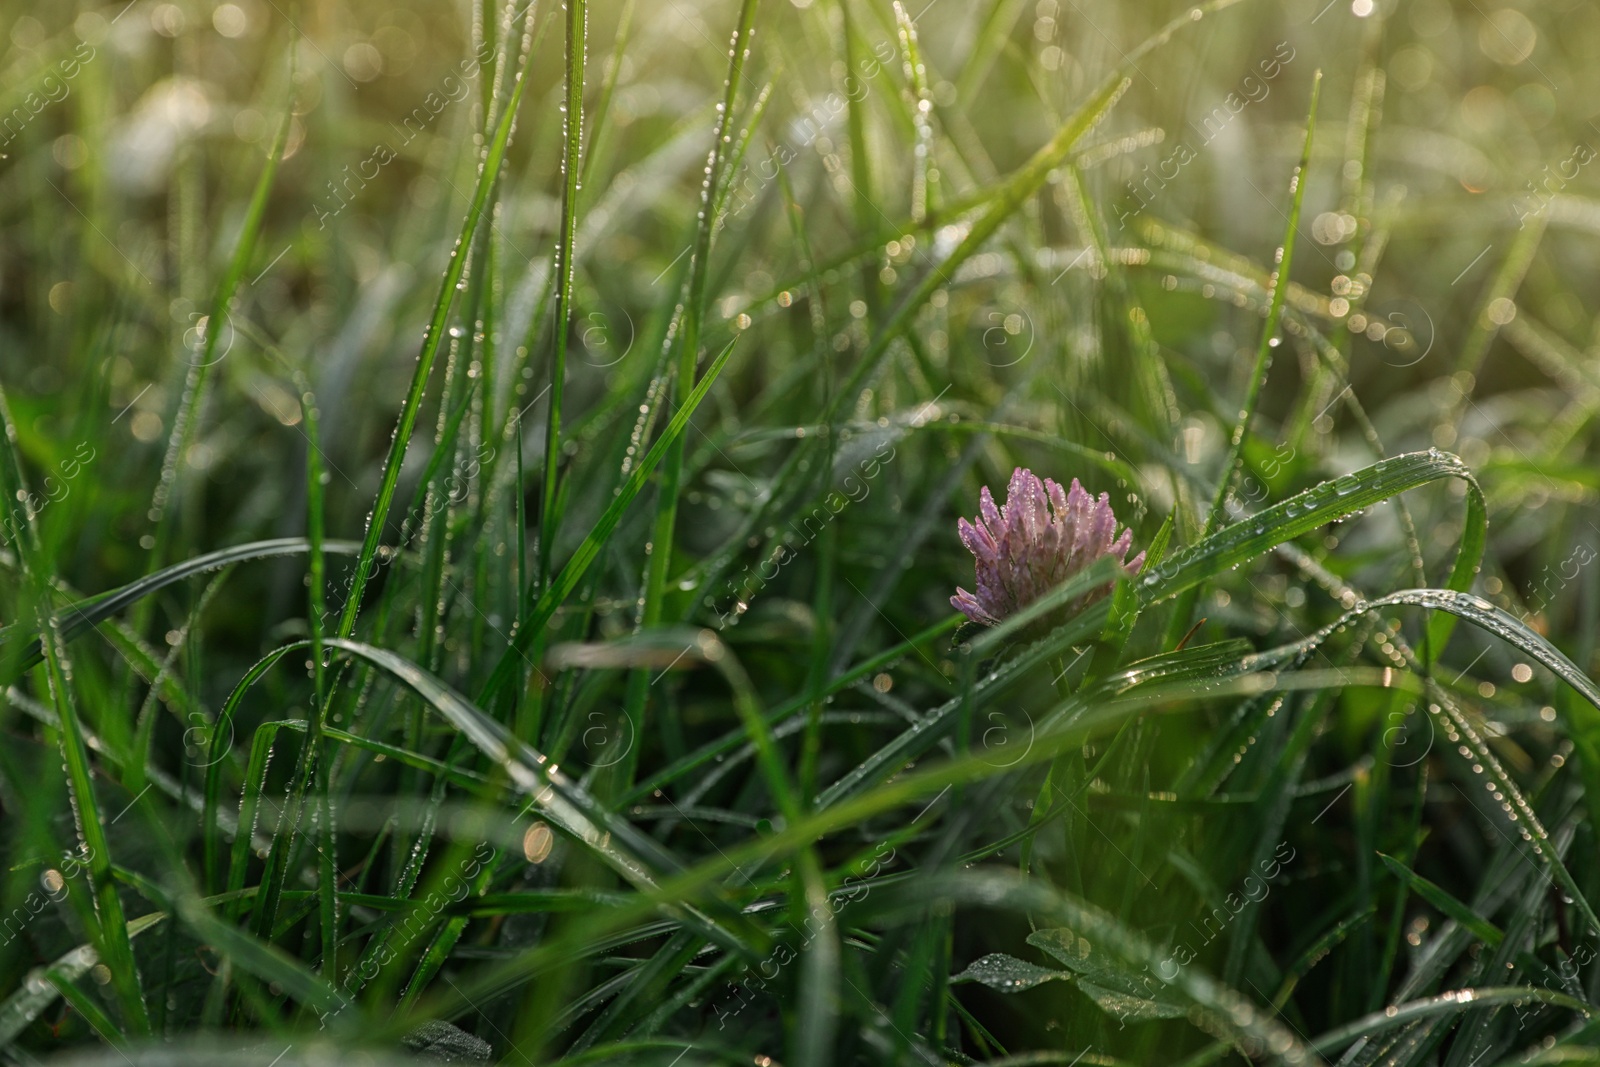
{"x":1007,"y":974}
{"x":1107,"y":981}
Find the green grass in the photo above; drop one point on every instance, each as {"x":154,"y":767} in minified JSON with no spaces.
{"x":478,"y":497}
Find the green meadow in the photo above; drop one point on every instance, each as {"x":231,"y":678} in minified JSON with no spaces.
{"x":486,"y":491}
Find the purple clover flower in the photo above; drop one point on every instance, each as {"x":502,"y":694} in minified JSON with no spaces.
{"x":1041,"y":537}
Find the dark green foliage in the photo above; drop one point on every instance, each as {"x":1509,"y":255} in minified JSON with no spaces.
{"x":612,"y":710}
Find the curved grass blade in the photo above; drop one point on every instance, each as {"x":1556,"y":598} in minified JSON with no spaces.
{"x":1318,"y":506}
{"x":220,"y":741}
{"x":1503,"y":625}
{"x":912,"y":788}
{"x":728,"y":742}
{"x":636,"y":857}
{"x":38,"y":992}
{"x":1454,"y":1002}
{"x":1217,"y":1009}
{"x":76,"y":619}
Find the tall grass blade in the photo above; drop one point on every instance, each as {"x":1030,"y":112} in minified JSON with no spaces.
{"x":488,"y":171}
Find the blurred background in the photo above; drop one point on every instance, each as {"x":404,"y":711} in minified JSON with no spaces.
{"x":1443,"y":268}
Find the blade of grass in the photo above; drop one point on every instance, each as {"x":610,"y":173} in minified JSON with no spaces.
{"x":1183,"y":617}
{"x":112,"y":937}
{"x":488,"y":170}
{"x":572,"y":573}
{"x":77,"y":619}
{"x":327,"y":859}
{"x":1454,"y":1002}
{"x":1481,"y":928}
{"x":633,"y":855}
{"x":912,"y":788}
{"x":996,"y":209}
{"x":38,"y":991}
{"x":216,"y":326}
{"x":664,"y":529}
{"x":925,"y":174}
{"x":566,"y":256}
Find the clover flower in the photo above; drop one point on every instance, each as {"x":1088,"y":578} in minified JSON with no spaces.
{"x":1041,"y":537}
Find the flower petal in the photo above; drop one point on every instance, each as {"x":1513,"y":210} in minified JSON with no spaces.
{"x":1058,"y":497}
{"x":1119,"y":547}
{"x":1104,"y":526}
{"x":1026,"y":497}
{"x":968,"y":605}
{"x":990,"y":514}
{"x":977,"y":540}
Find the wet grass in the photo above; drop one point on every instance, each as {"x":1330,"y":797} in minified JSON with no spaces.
{"x":480,"y":494}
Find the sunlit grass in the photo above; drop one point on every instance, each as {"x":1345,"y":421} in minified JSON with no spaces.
{"x":478,"y":505}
